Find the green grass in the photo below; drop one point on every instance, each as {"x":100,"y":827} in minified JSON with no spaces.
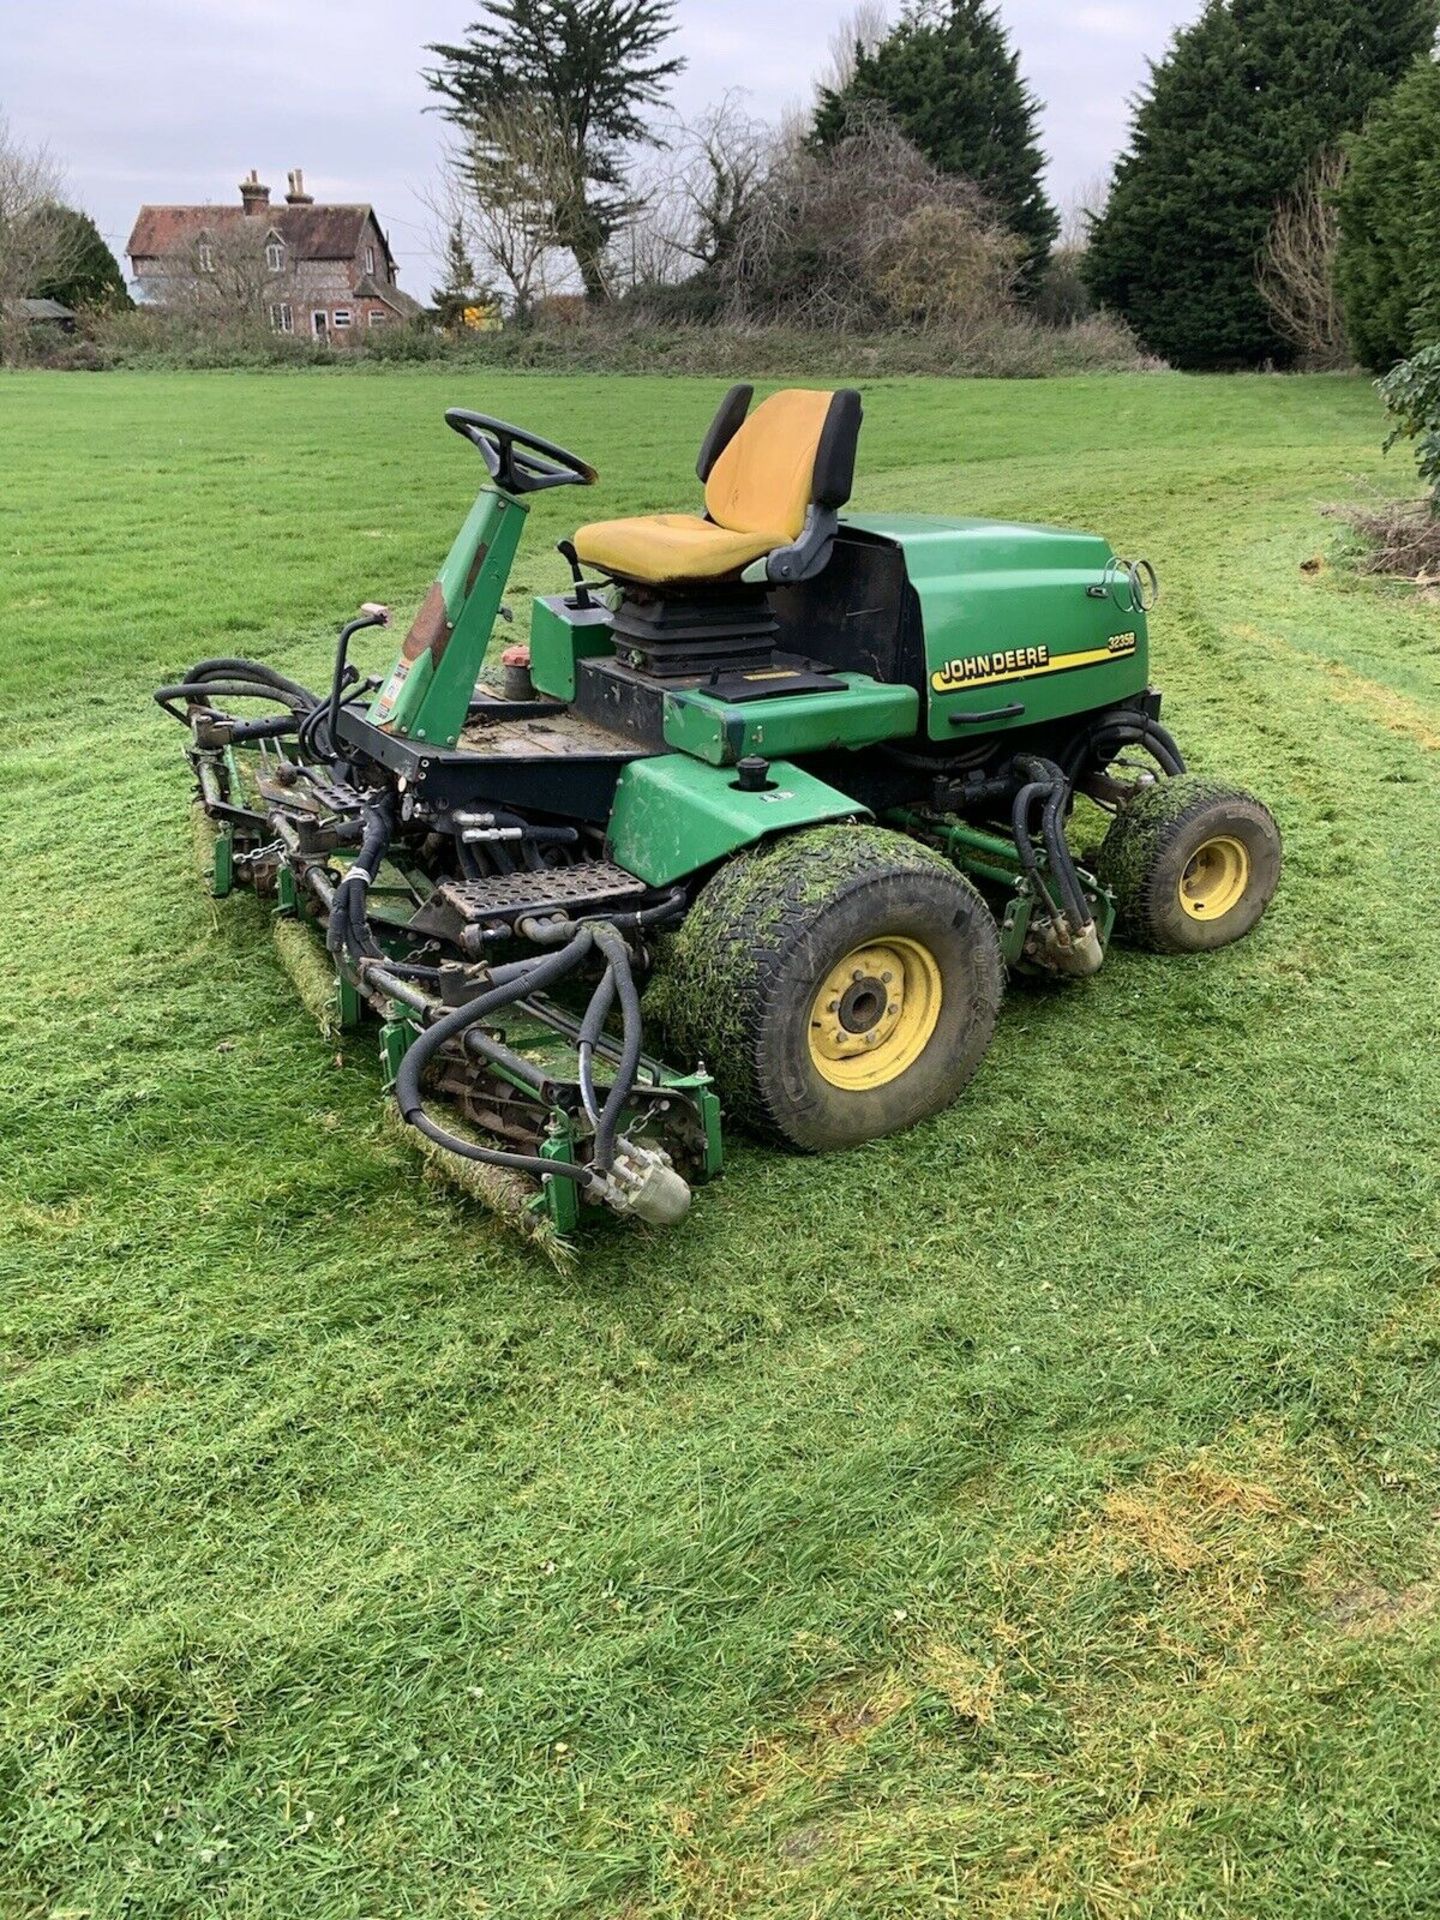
{"x":1032,"y":1515}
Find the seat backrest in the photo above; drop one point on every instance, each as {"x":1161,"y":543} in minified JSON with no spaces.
{"x":796,"y":450}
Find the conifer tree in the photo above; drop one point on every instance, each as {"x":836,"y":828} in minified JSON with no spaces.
{"x":1388,"y":266}
{"x":592,"y":66}
{"x":951,"y":80}
{"x":456,"y":291}
{"x":1232,"y":117}
{"x":86,"y":273}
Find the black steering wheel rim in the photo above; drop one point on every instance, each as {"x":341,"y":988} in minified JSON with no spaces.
{"x":517,"y":460}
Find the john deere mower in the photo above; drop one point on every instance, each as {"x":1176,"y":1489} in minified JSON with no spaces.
{"x":804,"y":774}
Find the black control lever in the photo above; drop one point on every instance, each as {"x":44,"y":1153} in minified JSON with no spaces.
{"x":582,"y":601}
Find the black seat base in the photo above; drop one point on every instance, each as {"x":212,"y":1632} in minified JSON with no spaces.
{"x":676,"y":635}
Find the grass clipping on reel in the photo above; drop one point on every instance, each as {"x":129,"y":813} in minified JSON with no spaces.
{"x":506,"y":1194}
{"x":202,"y":841}
{"x":311,"y":974}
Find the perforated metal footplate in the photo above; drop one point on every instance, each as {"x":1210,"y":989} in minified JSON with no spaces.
{"x":587,"y":885}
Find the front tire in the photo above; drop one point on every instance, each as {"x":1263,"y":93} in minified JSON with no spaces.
{"x":840,"y":984}
{"x":1192,"y":865}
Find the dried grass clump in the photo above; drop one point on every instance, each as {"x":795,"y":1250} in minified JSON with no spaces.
{"x":1397,"y":537}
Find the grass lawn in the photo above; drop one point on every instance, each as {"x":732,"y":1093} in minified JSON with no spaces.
{"x":1035,"y":1514}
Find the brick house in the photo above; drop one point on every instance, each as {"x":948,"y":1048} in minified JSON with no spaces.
{"x":322,"y":270}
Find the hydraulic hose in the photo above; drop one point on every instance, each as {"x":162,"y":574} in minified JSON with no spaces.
{"x":347,"y":930}
{"x":1047,"y":784}
{"x":1062,"y":864}
{"x":533,"y":977}
{"x":1145,"y":733}
{"x":228,"y":677}
{"x":613,"y":947}
{"x":1024,"y":845}
{"x":250,"y":670}
{"x":591,"y":1027}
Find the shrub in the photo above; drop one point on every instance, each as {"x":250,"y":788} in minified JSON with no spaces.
{"x":1388,"y":263}
{"x":949,"y":75}
{"x":1412,"y":396}
{"x":868,"y":233}
{"x":943,"y":267}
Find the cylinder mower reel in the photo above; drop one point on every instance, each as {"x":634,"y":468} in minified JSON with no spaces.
{"x":812,"y":779}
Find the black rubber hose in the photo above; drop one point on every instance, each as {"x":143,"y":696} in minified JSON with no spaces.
{"x":613,"y":947}
{"x":1020,"y":827}
{"x":591,"y":1027}
{"x":347,"y":930}
{"x":206,"y":690}
{"x":1049,"y":781}
{"x":541,"y":973}
{"x":1062,"y":864}
{"x":1149,"y":734}
{"x":250,"y":670}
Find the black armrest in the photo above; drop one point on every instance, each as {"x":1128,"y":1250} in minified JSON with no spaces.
{"x":835,"y":455}
{"x":805,"y":558}
{"x":729,"y":418}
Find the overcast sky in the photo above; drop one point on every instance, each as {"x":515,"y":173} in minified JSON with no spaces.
{"x":174,"y":100}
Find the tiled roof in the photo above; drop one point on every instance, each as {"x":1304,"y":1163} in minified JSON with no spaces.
{"x":367,"y":288}
{"x":311,"y":233}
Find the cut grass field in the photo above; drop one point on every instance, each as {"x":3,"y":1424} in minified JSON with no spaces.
{"x":1035,"y":1514}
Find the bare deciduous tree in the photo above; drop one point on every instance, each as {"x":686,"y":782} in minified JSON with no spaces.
{"x":694,"y":199}
{"x":221,"y":277}
{"x":1296,"y":270}
{"x":502,"y":182}
{"x":37,"y":239}
{"x":861,"y":31}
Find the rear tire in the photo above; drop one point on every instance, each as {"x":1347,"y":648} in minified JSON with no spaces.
{"x":1192,"y":865}
{"x":840,"y":984}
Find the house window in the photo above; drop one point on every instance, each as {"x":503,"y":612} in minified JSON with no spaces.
{"x":369,"y":259}
{"x":319,"y":323}
{"x":342,"y":316}
{"x":206,"y":257}
{"x":282,"y":319}
{"x":375,"y":318}
{"x":275,"y":255}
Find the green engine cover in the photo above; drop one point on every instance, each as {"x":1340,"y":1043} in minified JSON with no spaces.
{"x":1022,"y":624}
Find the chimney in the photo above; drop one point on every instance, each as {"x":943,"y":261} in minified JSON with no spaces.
{"x":297,"y":196}
{"x":253,"y":197}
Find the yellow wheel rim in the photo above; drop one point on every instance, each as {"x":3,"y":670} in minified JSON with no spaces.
{"x":1215,"y":879}
{"x":875,"y":1014}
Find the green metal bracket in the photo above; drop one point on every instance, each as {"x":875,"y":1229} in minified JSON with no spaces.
{"x":396,"y":1036}
{"x":349,"y":1004}
{"x":222,"y":874}
{"x":988,"y":856}
{"x":560,"y":1198}
{"x":287,"y":899}
{"x":709,"y":1104}
{"x":1015,"y":925}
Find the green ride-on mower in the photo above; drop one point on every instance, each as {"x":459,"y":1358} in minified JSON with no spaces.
{"x":806,"y":772}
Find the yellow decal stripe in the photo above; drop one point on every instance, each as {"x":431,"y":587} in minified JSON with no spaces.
{"x":944,"y":681}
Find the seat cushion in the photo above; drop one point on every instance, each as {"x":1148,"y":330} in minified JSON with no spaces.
{"x":765,"y":476}
{"x":661,"y":547}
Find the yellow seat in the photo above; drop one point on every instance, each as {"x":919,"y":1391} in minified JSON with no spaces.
{"x":762,"y":477}
{"x":669,"y":546}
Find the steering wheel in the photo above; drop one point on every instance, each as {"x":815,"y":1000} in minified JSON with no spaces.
{"x":517,"y":461}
